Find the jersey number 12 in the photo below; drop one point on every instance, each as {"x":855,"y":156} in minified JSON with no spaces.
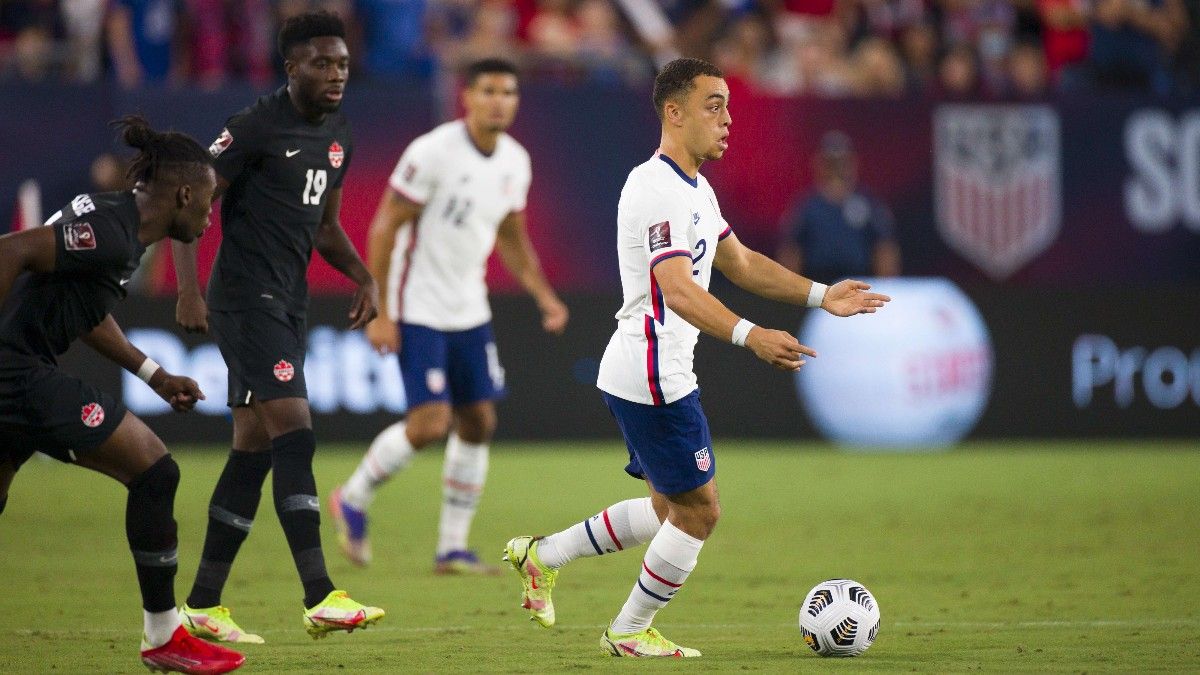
{"x":314,"y":186}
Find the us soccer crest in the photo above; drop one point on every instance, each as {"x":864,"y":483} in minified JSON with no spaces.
{"x":336,"y":155}
{"x":703,"y":459}
{"x":997,"y":183}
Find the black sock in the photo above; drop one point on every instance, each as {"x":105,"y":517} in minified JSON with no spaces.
{"x":230,"y":515}
{"x":150,"y":528}
{"x":299,"y":510}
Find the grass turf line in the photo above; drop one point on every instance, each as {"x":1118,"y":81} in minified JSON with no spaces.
{"x":1060,"y":557}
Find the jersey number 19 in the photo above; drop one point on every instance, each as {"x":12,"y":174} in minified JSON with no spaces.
{"x":314,"y":186}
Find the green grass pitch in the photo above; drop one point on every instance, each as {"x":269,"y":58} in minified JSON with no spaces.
{"x":995,"y":558}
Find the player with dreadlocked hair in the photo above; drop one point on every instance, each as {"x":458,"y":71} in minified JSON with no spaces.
{"x":59,"y":283}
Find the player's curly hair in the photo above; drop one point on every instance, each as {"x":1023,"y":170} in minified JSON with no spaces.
{"x":488,"y":66}
{"x":299,"y":29}
{"x":675,"y":80}
{"x":159,"y":151}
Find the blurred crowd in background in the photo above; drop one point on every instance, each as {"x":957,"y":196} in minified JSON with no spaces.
{"x":825,"y":48}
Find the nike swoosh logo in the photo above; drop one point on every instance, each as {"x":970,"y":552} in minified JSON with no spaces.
{"x":242,"y":522}
{"x":124,"y":281}
{"x":292,"y":153}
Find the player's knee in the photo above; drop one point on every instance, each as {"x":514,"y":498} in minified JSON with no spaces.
{"x":429,"y":428}
{"x":477,"y":427}
{"x":159,"y":481}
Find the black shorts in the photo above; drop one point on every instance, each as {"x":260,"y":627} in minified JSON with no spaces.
{"x":264,"y":350}
{"x":42,"y":409}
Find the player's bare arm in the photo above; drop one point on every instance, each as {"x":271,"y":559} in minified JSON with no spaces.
{"x":762,"y":276}
{"x":191,"y":312}
{"x":27,"y":251}
{"x":517,"y":253}
{"x":109,"y":341}
{"x":704,"y":311}
{"x":394,"y":212}
{"x":335,"y":247}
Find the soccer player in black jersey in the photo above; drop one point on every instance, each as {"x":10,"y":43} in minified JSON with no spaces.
{"x":280,"y":165}
{"x":59,"y":283}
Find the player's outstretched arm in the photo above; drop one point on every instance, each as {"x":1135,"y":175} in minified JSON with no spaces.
{"x":762,"y":276}
{"x":704,"y":311}
{"x":27,"y":251}
{"x":519,"y":257}
{"x":335,"y":247}
{"x":394,"y":212}
{"x":109,"y":341}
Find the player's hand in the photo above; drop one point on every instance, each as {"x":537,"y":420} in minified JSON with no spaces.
{"x":850,"y":297}
{"x":364,"y":309}
{"x":383,"y":336}
{"x":181,"y":392}
{"x":191,"y":313}
{"x":554,"y":315}
{"x":778,"y":348}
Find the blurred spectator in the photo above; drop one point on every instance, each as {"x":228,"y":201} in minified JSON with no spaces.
{"x":879,"y":70}
{"x":394,"y":37}
{"x":1064,"y":33}
{"x":492,"y":33}
{"x":1028,"y":76}
{"x":1132,"y":41}
{"x":28,"y":31}
{"x":919,"y":46}
{"x":957,"y":73}
{"x":837,"y":231}
{"x":145,"y":41}
{"x":83,"y":21}
{"x":602,"y":44}
{"x":743,"y":53}
{"x":230,"y":39}
{"x":552,"y":30}
{"x":1187,"y":58}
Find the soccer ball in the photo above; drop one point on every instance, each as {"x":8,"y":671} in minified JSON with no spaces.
{"x":839,"y":617}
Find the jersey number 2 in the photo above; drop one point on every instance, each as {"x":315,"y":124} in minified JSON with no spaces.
{"x":314,"y":186}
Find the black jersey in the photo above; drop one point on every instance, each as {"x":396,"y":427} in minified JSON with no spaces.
{"x":97,"y":251}
{"x":280,"y":169}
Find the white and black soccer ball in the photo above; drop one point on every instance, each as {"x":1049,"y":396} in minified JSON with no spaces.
{"x":839,"y":617}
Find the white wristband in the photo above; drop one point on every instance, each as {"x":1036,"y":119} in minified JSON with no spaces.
{"x":148,"y":369}
{"x":741,"y":329}
{"x":816,"y":294}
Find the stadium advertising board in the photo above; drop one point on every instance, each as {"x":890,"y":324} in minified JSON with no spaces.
{"x":935,"y":366}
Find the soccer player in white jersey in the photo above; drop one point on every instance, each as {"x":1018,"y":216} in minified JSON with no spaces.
{"x":461,"y":191}
{"x":670,"y":235}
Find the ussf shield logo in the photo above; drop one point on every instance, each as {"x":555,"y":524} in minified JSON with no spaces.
{"x":703,"y":459}
{"x":336,"y":155}
{"x":997,"y":183}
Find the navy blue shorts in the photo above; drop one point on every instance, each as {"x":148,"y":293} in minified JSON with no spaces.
{"x":669,"y":445}
{"x":459,"y":366}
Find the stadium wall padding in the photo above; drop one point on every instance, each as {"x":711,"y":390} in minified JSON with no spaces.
{"x":1068,"y":363}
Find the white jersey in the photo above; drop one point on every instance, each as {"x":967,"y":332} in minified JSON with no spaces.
{"x":438,"y":265}
{"x":662,"y":213}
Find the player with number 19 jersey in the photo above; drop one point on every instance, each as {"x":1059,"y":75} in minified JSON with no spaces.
{"x":279,"y":167}
{"x":437,"y":275}
{"x":662,"y":213}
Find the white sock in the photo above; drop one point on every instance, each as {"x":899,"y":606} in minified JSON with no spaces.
{"x":629,"y":523}
{"x":463,"y":474}
{"x":389,"y":452}
{"x":158,"y":627}
{"x":669,"y":560}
